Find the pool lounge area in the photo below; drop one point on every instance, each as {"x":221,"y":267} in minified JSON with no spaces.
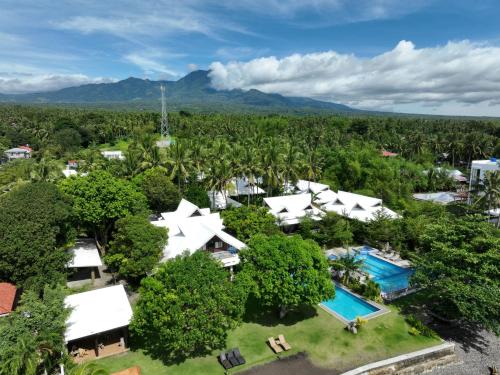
{"x":347,"y":306}
{"x":389,"y":276}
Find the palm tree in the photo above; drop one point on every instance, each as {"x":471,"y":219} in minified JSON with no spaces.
{"x":219,"y":177}
{"x":490,"y":196}
{"x":291,"y":164}
{"x":180,"y":162}
{"x":271,"y":166}
{"x":348,"y":263}
{"x":90,"y":368}
{"x":23,"y":358}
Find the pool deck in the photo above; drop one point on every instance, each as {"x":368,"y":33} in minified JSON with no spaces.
{"x":340,"y":251}
{"x":381,"y":309}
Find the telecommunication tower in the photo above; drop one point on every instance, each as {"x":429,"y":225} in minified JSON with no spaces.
{"x":164,"y":116}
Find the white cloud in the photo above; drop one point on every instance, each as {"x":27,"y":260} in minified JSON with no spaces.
{"x":20,"y":83}
{"x":149,"y":63}
{"x":459,"y":72}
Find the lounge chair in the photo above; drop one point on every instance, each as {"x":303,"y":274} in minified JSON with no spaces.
{"x":272,"y":343}
{"x":230,"y":356}
{"x":224,"y":362}
{"x":283,"y":343}
{"x":238,"y":356}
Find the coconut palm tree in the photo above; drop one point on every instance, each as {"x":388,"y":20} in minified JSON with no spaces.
{"x":180,"y":162}
{"x":348,"y":263}
{"x":490,"y":197}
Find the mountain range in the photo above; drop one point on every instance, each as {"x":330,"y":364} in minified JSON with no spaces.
{"x":192,"y":92}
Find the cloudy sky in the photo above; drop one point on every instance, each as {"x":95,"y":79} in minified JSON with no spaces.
{"x":420,"y":56}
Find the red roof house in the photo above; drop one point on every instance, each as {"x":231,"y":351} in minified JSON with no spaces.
{"x":388,"y":154}
{"x":7,"y":298}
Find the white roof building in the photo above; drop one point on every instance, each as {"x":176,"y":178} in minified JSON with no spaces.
{"x":354,"y":206}
{"x":441,"y":197}
{"x":480,"y":167}
{"x":304,"y":186}
{"x":97,"y":311}
{"x":290,"y":209}
{"x":242,"y":187}
{"x":191,"y":228}
{"x":18,"y":153}
{"x":220,"y":202}
{"x":113,"y":155}
{"x":85,"y":254}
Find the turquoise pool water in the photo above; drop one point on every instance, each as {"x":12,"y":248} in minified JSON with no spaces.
{"x":390,"y":277}
{"x":348,"y":306}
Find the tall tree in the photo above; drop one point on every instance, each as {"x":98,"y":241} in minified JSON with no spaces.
{"x":286,"y":272}
{"x":35,"y":225}
{"x":99,"y":199}
{"x":187,"y":308}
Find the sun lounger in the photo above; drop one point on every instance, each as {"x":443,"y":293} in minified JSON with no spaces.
{"x":283,"y":343}
{"x":230,"y":356}
{"x":224,"y":362}
{"x":272,"y":343}
{"x":238,"y":356}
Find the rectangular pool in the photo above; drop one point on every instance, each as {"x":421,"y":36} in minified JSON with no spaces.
{"x":390,"y":277}
{"x":348,"y":305}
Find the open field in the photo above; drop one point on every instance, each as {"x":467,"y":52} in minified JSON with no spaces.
{"x":316,"y":332}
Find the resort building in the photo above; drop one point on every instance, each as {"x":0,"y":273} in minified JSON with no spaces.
{"x":480,"y":167}
{"x":219,"y":201}
{"x":85,"y":262}
{"x":289,"y":210}
{"x":191,"y":228}
{"x":441,"y":197}
{"x":304,"y":186}
{"x":354,"y":206}
{"x":241,"y":186}
{"x":98,"y":323}
{"x":21,"y":152}
{"x":454,"y":174}
{"x":8,"y":298}
{"x":110,"y":155}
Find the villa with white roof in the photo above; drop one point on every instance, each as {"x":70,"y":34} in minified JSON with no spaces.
{"x":289,"y":210}
{"x":191,"y":228}
{"x":98,"y":323}
{"x":353,"y":206}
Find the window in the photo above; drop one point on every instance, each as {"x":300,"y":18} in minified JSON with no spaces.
{"x":219,"y":244}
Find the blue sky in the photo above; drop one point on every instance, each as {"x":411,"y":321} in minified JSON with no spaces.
{"x":425,"y":56}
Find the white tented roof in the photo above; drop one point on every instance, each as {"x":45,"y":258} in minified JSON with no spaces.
{"x":304,"y":186}
{"x":192,"y":232}
{"x":290,"y":209}
{"x":184,"y":210}
{"x":355,"y":206}
{"x":85,"y":254}
{"x":97,"y":311}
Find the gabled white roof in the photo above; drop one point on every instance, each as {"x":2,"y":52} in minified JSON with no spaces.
{"x":289,"y":209}
{"x":69,"y":172}
{"x":85,"y":254}
{"x":17,"y":150}
{"x":241,"y":186}
{"x":304,"y":186}
{"x":193,"y":233}
{"x":221,"y":202}
{"x":185,"y":209}
{"x":97,"y":311}
{"x":356,"y":206}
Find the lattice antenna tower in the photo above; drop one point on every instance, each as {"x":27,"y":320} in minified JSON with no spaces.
{"x":164,"y":116}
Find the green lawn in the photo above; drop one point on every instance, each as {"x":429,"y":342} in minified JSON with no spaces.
{"x":121,"y":145}
{"x":319,"y":334}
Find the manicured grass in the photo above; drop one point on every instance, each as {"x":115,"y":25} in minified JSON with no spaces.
{"x":316,"y":332}
{"x":121,"y":145}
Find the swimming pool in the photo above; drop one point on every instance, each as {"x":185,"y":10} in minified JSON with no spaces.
{"x":349,"y":306}
{"x":390,"y":277}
